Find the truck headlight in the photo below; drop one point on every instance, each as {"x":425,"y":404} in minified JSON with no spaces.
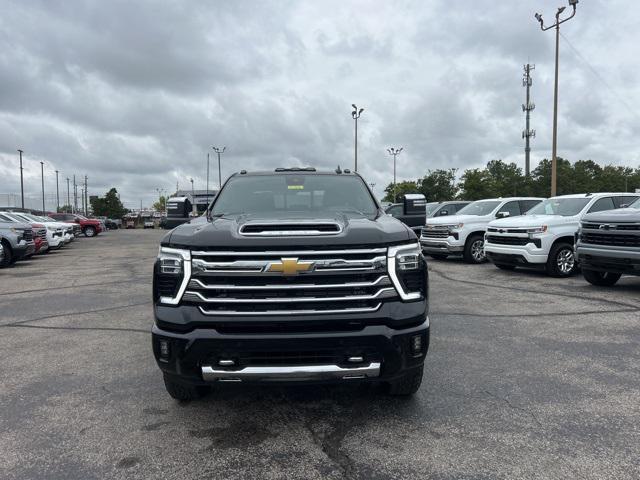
{"x":171,"y":274}
{"x":534,"y":230}
{"x":407,"y":269}
{"x":457,"y":227}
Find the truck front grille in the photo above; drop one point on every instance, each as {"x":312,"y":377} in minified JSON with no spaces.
{"x":613,"y":239}
{"x":498,"y":240}
{"x":435,"y":232}
{"x":28,"y":234}
{"x":42,"y":233}
{"x":294,"y":282}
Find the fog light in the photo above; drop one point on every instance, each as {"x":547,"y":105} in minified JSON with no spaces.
{"x":165,"y":350}
{"x":416,"y":345}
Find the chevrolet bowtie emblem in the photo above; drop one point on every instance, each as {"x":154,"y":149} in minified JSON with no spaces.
{"x":290,"y":266}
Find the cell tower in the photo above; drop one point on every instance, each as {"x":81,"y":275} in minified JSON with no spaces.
{"x":527,"y":133}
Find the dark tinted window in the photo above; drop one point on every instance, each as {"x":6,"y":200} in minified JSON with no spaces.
{"x":460,"y":206}
{"x":526,"y":205}
{"x":303,"y":192}
{"x":512,"y":207}
{"x":605,"y":203}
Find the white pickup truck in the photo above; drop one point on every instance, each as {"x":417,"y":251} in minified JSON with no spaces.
{"x":464,"y":233}
{"x":545,"y":237}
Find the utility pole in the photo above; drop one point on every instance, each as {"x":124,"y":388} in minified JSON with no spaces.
{"x":86,"y":197}
{"x":527,"y":107}
{"x":57,"y":193}
{"x":207,"y":179}
{"x":219,"y":152}
{"x":42,"y":177}
{"x":68,"y":197}
{"x":193,"y":197}
{"x":395,"y":152}
{"x":75,"y":195}
{"x":554,"y":149}
{"x":21,"y":181}
{"x":356,"y":115}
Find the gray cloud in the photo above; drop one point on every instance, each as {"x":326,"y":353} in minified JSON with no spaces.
{"x":133,"y":94}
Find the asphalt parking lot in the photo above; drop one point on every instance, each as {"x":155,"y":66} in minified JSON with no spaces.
{"x":527,"y":377}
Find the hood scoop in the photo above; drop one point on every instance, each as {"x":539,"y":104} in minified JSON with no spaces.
{"x":290,"y":229}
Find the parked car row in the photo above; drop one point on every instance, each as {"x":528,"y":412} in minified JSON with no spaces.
{"x":599,"y":233}
{"x":23,"y":234}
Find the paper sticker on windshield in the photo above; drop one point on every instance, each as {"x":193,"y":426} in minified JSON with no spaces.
{"x":295,"y":187}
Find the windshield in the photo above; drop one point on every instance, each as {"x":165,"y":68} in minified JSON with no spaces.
{"x":481,"y":207}
{"x":566,"y":207}
{"x":635,"y":204}
{"x":294,"y":193}
{"x":431,"y":207}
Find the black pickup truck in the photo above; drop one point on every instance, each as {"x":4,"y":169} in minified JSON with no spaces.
{"x":291,"y":276}
{"x":411,"y":212}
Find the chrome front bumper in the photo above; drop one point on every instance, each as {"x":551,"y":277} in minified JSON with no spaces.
{"x":293,"y":372}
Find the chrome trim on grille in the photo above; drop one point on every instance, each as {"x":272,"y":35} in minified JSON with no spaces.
{"x":232,"y":313}
{"x":260,"y":266}
{"x":287,"y":253}
{"x":291,"y":372}
{"x":382,"y":293}
{"x":382,"y":280}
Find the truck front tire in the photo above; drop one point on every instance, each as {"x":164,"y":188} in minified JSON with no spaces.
{"x":408,"y":384}
{"x":601,"y":279}
{"x":8,"y":255}
{"x":182,"y":391}
{"x":89,"y":232}
{"x":562,"y":261}
{"x":474,"y":249}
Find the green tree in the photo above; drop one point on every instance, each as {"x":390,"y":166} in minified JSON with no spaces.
{"x":506,"y":179}
{"x":439,"y":185}
{"x":475,"y":184}
{"x":402,"y":188}
{"x":64,"y":209}
{"x":109,"y":205}
{"x":161,"y":204}
{"x":541,"y":178}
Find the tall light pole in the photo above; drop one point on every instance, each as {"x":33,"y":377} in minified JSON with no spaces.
{"x":554,"y":166}
{"x":395,"y":152}
{"x":356,"y":115}
{"x":21,"y":181}
{"x":57,"y":193}
{"x":42,"y":177}
{"x":193,"y":197}
{"x":68,"y":197}
{"x":207,"y":179}
{"x":219,"y":151}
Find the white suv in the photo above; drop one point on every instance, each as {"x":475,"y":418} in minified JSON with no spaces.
{"x":464,"y":233}
{"x":545,"y":237}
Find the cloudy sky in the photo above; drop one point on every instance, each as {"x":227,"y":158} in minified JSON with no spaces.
{"x":133,"y":94}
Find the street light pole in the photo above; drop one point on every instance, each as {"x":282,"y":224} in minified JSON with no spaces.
{"x":57,"y":193}
{"x":219,"y":151}
{"x":21,"y":181}
{"x":554,"y":147}
{"x":207,"y":179}
{"x":193,"y":197}
{"x":42,"y":177}
{"x":395,"y":152}
{"x":68,"y":197}
{"x":356,"y":115}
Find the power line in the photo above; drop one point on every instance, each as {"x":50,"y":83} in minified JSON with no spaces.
{"x":599,"y":77}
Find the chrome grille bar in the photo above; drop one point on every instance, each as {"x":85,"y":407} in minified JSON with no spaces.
{"x":288,"y":253}
{"x":382,"y":280}
{"x":382,"y":293}
{"x":259,"y":266}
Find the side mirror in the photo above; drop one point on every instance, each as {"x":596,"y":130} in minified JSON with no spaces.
{"x":624,"y":205}
{"x":503,"y":215}
{"x":444,"y":213}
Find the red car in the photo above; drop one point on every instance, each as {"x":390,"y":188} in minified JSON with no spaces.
{"x":40,"y":237}
{"x":89,"y":227}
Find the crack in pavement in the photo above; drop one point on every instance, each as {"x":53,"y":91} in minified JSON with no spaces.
{"x":534,"y":315}
{"x":331,"y":446}
{"x":514,"y":407}
{"x":71,"y":314}
{"x":137,"y":279}
{"x":102,"y":329}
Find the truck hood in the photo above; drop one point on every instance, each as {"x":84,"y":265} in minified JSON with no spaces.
{"x":532,"y":221}
{"x":455,"y":219}
{"x":619,"y":215}
{"x":224,"y":232}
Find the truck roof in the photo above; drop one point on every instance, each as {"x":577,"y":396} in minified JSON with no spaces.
{"x":297,"y":171}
